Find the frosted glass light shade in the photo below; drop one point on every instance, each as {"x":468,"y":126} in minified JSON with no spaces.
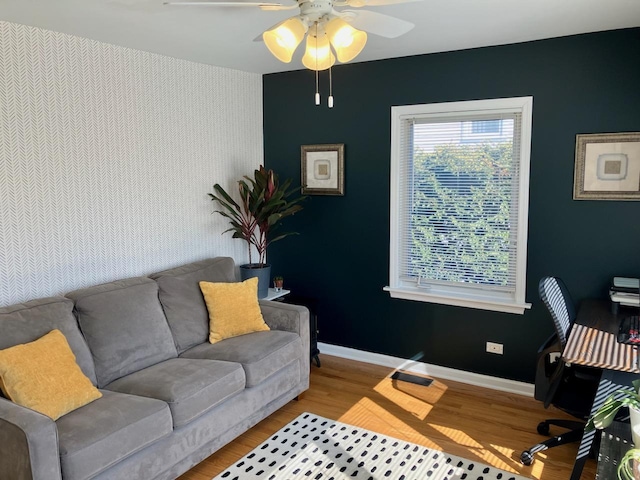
{"x":284,"y":38}
{"x":346,"y":40}
{"x":318,"y":55}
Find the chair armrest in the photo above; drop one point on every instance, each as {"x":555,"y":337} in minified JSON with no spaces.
{"x":28,"y":444}
{"x":287,"y":317}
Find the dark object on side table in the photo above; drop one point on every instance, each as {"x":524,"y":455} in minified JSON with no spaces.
{"x":569,"y":388}
{"x":629,"y":330}
{"x":312,"y":305}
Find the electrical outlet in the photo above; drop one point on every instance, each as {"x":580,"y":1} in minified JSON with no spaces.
{"x":495,"y":348}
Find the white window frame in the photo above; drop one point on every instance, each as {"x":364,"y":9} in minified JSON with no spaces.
{"x":458,"y":295}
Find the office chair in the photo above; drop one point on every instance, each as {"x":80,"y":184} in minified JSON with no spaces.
{"x":569,"y":388}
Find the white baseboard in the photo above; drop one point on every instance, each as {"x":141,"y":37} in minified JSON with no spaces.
{"x":445,"y":373}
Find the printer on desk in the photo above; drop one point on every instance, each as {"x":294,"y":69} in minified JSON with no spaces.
{"x":624,"y":291}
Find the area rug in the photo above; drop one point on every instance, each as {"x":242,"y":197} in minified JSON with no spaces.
{"x":316,"y":448}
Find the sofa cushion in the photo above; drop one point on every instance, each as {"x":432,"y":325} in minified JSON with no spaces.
{"x":26,"y":322}
{"x":43,"y":375}
{"x":190,"y":387}
{"x":261,"y":354}
{"x":182,"y":299}
{"x":102,"y":433}
{"x":233,"y":309}
{"x":124,"y":326}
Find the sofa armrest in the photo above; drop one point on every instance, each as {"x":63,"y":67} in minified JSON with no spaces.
{"x":287,"y":317}
{"x":28,"y":444}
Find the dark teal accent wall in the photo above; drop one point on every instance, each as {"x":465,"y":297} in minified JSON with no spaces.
{"x":580,"y":84}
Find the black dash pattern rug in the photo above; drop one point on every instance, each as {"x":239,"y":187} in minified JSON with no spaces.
{"x":316,"y":448}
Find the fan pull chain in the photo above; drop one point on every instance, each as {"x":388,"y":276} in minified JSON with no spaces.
{"x":330,"y":100}
{"x":317,"y":74}
{"x":317,"y":90}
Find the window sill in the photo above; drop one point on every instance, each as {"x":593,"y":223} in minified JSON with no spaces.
{"x":469,"y":301}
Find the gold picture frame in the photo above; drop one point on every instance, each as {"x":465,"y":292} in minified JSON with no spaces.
{"x":322,"y":169}
{"x":607,"y":166}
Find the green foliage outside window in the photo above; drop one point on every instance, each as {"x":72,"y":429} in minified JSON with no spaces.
{"x":460,"y":228}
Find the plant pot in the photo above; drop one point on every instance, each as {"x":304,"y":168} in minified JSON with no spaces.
{"x":634,"y":415}
{"x":263,"y":272}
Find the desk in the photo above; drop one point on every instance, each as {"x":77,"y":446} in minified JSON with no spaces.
{"x":592,"y":342}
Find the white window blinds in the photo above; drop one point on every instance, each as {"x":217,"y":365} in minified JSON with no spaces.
{"x":459,"y":200}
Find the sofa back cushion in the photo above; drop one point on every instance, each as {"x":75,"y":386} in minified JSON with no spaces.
{"x":26,"y":322}
{"x":182,"y":298}
{"x":124,"y":326}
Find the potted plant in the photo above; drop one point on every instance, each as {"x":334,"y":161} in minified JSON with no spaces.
{"x":629,"y":466}
{"x":264,"y":202}
{"x":625,"y":397}
{"x":278,"y":283}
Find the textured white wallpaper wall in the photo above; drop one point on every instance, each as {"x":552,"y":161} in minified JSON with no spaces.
{"x":106,"y":158}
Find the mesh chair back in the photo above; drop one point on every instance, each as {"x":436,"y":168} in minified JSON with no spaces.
{"x":555,"y":296}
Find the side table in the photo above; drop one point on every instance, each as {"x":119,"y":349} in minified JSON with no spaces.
{"x":276,"y":294}
{"x":287,"y":297}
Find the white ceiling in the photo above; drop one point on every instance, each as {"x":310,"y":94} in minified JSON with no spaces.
{"x":223,"y":36}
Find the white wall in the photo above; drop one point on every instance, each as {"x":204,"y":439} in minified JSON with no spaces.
{"x":106,"y":158}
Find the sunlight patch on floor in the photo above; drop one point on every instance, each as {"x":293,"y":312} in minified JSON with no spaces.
{"x":457,"y":436}
{"x":509,"y":454}
{"x":496,"y":455}
{"x":538,"y":466}
{"x":368,"y":414}
{"x":415,"y":399}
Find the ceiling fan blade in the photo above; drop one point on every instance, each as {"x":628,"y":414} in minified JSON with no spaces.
{"x":376,"y":23}
{"x":272,"y":7}
{"x":370,"y":3}
{"x":262,"y":5}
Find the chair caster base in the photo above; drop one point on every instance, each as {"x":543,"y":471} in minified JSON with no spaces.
{"x":543,"y":428}
{"x":526,"y":458}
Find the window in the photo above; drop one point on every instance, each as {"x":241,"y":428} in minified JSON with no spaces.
{"x":486,"y":126}
{"x":459,"y":203}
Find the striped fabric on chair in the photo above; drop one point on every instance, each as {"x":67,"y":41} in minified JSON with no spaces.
{"x":555,"y":296}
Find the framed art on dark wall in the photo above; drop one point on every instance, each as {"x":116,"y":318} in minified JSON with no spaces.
{"x":607,"y":167}
{"x":322,"y":169}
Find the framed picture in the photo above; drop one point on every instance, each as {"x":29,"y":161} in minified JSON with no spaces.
{"x":322,"y":169}
{"x":607,"y":167}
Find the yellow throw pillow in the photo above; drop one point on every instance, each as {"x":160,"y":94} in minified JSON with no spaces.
{"x":233,"y":309}
{"x":43,"y":375}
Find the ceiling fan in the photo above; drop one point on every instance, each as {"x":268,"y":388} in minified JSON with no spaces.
{"x":329,"y":30}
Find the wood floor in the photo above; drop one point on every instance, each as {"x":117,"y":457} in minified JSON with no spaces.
{"x":476,"y":423}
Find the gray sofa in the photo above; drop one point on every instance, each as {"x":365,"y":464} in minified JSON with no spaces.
{"x":170,"y":398}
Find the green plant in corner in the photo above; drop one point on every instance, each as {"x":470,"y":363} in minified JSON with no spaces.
{"x":629,"y":464}
{"x":605,"y":415}
{"x":264,"y":203}
{"x":625,"y":397}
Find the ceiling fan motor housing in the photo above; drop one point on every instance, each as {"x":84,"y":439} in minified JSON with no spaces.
{"x":314,"y":10}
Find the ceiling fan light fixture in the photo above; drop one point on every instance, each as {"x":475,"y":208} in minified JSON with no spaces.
{"x":284,"y":38}
{"x":347,"y":41}
{"x":318,"y":55}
